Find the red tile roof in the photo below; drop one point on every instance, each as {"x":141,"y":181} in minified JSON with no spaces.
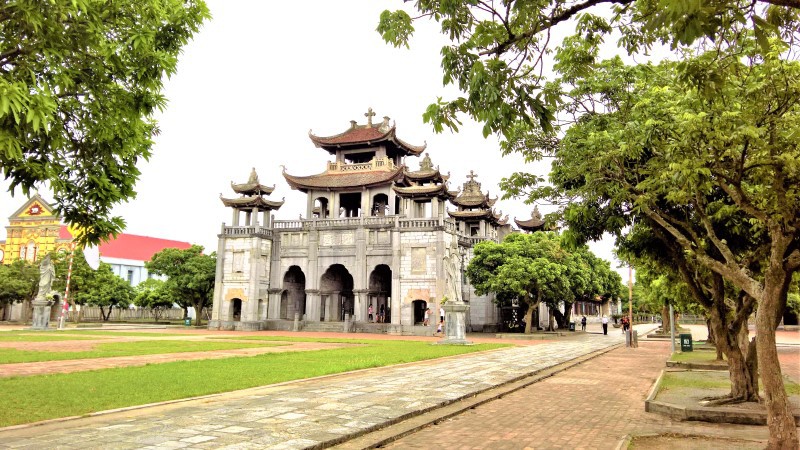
{"x":131,"y":246}
{"x":343,"y":180}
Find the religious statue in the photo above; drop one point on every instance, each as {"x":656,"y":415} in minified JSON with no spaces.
{"x":47,"y":273}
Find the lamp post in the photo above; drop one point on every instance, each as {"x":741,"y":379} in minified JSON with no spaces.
{"x":629,"y":338}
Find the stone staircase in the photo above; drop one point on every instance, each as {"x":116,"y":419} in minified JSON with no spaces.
{"x":323,"y":327}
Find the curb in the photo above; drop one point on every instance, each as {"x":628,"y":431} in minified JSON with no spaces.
{"x":387,"y":432}
{"x":704,"y":413}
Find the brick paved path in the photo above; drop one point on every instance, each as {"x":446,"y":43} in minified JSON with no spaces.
{"x":590,"y":406}
{"x":302,"y":414}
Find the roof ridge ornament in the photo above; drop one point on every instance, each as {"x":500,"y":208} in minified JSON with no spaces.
{"x":370,"y":114}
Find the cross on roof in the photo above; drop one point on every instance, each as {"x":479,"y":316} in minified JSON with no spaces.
{"x":471,"y":176}
{"x":369,"y":114}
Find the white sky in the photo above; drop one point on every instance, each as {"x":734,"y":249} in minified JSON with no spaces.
{"x":253,"y":82}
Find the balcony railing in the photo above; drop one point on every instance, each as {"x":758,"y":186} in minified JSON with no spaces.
{"x":384,"y":163}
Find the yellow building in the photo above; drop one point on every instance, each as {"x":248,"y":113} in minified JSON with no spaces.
{"x":34,"y":230}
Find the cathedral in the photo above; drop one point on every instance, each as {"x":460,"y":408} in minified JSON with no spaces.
{"x":378,"y":249}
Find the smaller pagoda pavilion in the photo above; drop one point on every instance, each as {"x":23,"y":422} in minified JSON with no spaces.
{"x":252,"y":202}
{"x":423,"y":187}
{"x":534,"y":224}
{"x":475,"y":214}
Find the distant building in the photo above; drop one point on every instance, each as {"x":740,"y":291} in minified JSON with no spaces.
{"x":35,"y":230}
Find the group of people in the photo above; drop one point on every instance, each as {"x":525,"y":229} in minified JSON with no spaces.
{"x":427,"y":319}
{"x":381,"y":314}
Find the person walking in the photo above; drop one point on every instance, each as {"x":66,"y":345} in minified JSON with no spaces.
{"x":583,"y":323}
{"x":369,"y":313}
{"x":426,"y":322}
{"x":605,"y":324}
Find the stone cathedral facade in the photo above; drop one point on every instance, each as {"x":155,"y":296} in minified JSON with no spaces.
{"x":377,"y":237}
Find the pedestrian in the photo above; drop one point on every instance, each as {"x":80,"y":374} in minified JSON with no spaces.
{"x":441,"y":314}
{"x":583,"y":323}
{"x":605,"y":324}
{"x":625,"y":324}
{"x":381,"y":313}
{"x":439,"y":328}
{"x":426,"y":322}
{"x":369,"y":313}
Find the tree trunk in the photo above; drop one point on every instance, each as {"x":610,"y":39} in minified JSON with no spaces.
{"x":197,"y":308}
{"x":529,"y":317}
{"x":713,"y":340}
{"x":782,"y":428}
{"x":665,"y":319}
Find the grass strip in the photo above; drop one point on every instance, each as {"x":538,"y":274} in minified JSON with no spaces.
{"x":701,"y":356}
{"x":111,"y":349}
{"x":711,"y":380}
{"x":119,"y":333}
{"x":35,"y":398}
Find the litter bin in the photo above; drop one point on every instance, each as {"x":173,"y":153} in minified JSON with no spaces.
{"x":686,"y":342}
{"x":187,"y":322}
{"x":572,"y":326}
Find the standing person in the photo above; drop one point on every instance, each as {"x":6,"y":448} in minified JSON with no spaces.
{"x":369,"y":313}
{"x":625,"y":324}
{"x":381,"y":313}
{"x":427,"y":320}
{"x":605,"y":324}
{"x":583,"y":323}
{"x":441,"y":314}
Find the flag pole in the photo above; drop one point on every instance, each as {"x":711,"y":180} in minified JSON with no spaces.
{"x":65,"y":307}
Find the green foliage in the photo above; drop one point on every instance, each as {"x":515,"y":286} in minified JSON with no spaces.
{"x":499,"y":50}
{"x":19,"y":282}
{"x":153,"y":294}
{"x":190,"y":275}
{"x":81,"y":81}
{"x":106,"y":290}
{"x":536,"y":267}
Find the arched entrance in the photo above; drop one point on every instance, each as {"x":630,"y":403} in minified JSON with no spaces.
{"x":293,"y":298}
{"x":380,"y":291}
{"x":380,"y":205}
{"x":236,"y":309}
{"x":336,"y":292}
{"x":419,"y":307}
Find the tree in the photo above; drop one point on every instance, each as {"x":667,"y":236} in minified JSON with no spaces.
{"x":154,"y":295}
{"x":19,"y":282}
{"x":499,"y":50}
{"x":80,"y":83}
{"x":106,"y":290}
{"x":80,"y":280}
{"x":703,"y":151}
{"x":534,"y":268}
{"x":190,"y":275}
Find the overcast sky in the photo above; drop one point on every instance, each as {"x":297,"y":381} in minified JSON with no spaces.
{"x":256,"y":79}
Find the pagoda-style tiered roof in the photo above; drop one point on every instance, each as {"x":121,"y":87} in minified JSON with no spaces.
{"x":369,"y":135}
{"x":471,"y":196}
{"x":535,"y":223}
{"x":494,"y":217}
{"x":347,"y":176}
{"x":427,"y":182}
{"x":253,"y":193}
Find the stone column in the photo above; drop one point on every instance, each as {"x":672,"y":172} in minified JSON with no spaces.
{"x":235,"y":218}
{"x":361,"y":303}
{"x":219,"y":285}
{"x":274,"y":304}
{"x":313,"y":305}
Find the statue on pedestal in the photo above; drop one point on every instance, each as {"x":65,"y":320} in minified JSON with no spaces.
{"x":41,"y":305}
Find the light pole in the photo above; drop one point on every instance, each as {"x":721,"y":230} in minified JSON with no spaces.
{"x":630,"y":305}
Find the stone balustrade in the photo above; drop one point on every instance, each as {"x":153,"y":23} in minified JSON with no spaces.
{"x":384,"y":163}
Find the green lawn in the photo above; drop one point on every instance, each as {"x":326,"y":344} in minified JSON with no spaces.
{"x":702,"y":356}
{"x":710,"y":380}
{"x":35,"y":398}
{"x":106,"y":350}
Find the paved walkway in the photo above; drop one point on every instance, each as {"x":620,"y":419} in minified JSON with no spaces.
{"x":303,"y":414}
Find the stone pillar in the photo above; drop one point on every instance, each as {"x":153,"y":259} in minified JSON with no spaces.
{"x":361,"y":303}
{"x":435,"y":207}
{"x":235,"y":218}
{"x":455,"y":323}
{"x":313,"y":305}
{"x":219,"y":285}
{"x":274,"y":304}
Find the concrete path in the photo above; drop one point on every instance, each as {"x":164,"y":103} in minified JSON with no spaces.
{"x":306,"y":414}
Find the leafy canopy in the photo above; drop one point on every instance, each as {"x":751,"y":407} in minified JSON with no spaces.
{"x":80,"y":82}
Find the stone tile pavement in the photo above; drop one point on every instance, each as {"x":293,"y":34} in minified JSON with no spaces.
{"x":309,"y":413}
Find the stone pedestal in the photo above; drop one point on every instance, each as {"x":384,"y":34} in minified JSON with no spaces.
{"x":455,"y":327}
{"x":41,"y":314}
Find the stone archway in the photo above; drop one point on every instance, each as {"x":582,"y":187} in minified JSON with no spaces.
{"x":380,"y":291}
{"x":293,"y":298}
{"x":336,"y":292}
